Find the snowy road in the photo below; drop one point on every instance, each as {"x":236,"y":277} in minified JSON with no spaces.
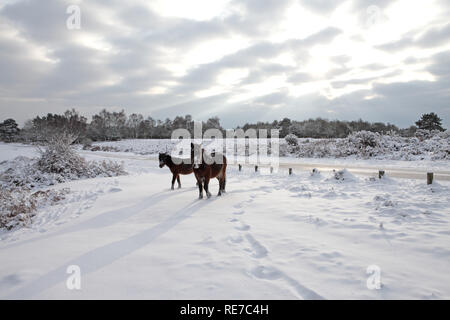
{"x":269,"y":237}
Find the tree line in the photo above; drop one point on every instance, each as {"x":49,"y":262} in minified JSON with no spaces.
{"x":117,"y":125}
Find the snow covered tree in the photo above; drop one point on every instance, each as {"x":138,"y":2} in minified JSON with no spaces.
{"x":134,"y":124}
{"x":430,"y":121}
{"x":9,"y":130}
{"x":108,"y":125}
{"x":147,"y":128}
{"x":212,"y":123}
{"x":284,"y":127}
{"x":43,"y":128}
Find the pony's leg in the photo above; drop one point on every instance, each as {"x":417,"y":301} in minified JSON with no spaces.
{"x":206,"y":186}
{"x":220,"y":187}
{"x":173,"y":180}
{"x":179,"y":182}
{"x":200,"y":189}
{"x":224,"y":177}
{"x":224,"y":182}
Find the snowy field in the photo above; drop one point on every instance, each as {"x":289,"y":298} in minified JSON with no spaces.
{"x":269,"y":237}
{"x":359,"y":145}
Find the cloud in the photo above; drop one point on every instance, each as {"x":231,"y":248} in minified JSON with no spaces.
{"x":440,"y":65}
{"x":364,"y":81}
{"x":245,"y":62}
{"x":433,"y":37}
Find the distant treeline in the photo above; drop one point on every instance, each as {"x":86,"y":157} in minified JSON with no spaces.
{"x":110,"y":126}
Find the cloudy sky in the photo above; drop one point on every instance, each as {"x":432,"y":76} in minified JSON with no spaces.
{"x":252,"y":60}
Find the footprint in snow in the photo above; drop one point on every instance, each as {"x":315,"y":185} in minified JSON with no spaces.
{"x":242,"y":227}
{"x":233,"y":239}
{"x":268,"y":273}
{"x":239,"y":212}
{"x":258,"y":250}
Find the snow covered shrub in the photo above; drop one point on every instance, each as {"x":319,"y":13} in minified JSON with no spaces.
{"x":444,"y":134}
{"x":60,"y":158}
{"x":30,"y":174}
{"x":18,"y":206}
{"x":86,"y":143}
{"x":432,"y":145}
{"x":291,"y":140}
{"x":58,"y":163}
{"x":364,"y":139}
{"x":315,"y":173}
{"x":339,"y":175}
{"x":106,"y":169}
{"x":103,"y":148}
{"x":94,"y":148}
{"x":111,"y":149}
{"x":343,"y":175}
{"x":63,"y":161}
{"x":423,"y":134}
{"x":23,"y":172}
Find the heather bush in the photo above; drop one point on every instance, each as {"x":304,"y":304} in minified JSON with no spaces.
{"x":291,"y":140}
{"x":22,"y":179}
{"x":18,"y":206}
{"x":432,"y":145}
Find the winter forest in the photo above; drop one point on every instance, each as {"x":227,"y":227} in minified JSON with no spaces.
{"x":113,"y":126}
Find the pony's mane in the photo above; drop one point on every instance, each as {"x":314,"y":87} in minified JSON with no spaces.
{"x":169,"y":157}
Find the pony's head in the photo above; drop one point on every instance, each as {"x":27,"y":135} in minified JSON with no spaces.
{"x":162,"y":159}
{"x":196,"y":155}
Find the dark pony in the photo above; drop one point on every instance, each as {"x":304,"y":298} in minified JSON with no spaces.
{"x":176,"y":167}
{"x":207,"y":169}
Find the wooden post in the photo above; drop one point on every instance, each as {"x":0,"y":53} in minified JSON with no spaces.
{"x":430,"y":177}
{"x":256,"y":168}
{"x":290,"y":171}
{"x":240,"y":167}
{"x":381,"y":174}
{"x":271,"y":170}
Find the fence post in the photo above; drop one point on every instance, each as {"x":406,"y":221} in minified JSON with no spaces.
{"x":271,"y":170}
{"x":256,"y":168}
{"x":430,"y":177}
{"x":290,"y":171}
{"x":381,"y":174}
{"x":240,"y":167}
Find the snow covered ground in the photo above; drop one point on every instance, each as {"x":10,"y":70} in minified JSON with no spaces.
{"x":270,"y":237}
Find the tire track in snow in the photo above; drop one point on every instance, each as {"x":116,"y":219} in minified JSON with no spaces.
{"x":104,"y":219}
{"x":100,"y":257}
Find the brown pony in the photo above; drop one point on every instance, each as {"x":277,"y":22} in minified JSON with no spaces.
{"x":208,"y":168}
{"x":176,"y":169}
